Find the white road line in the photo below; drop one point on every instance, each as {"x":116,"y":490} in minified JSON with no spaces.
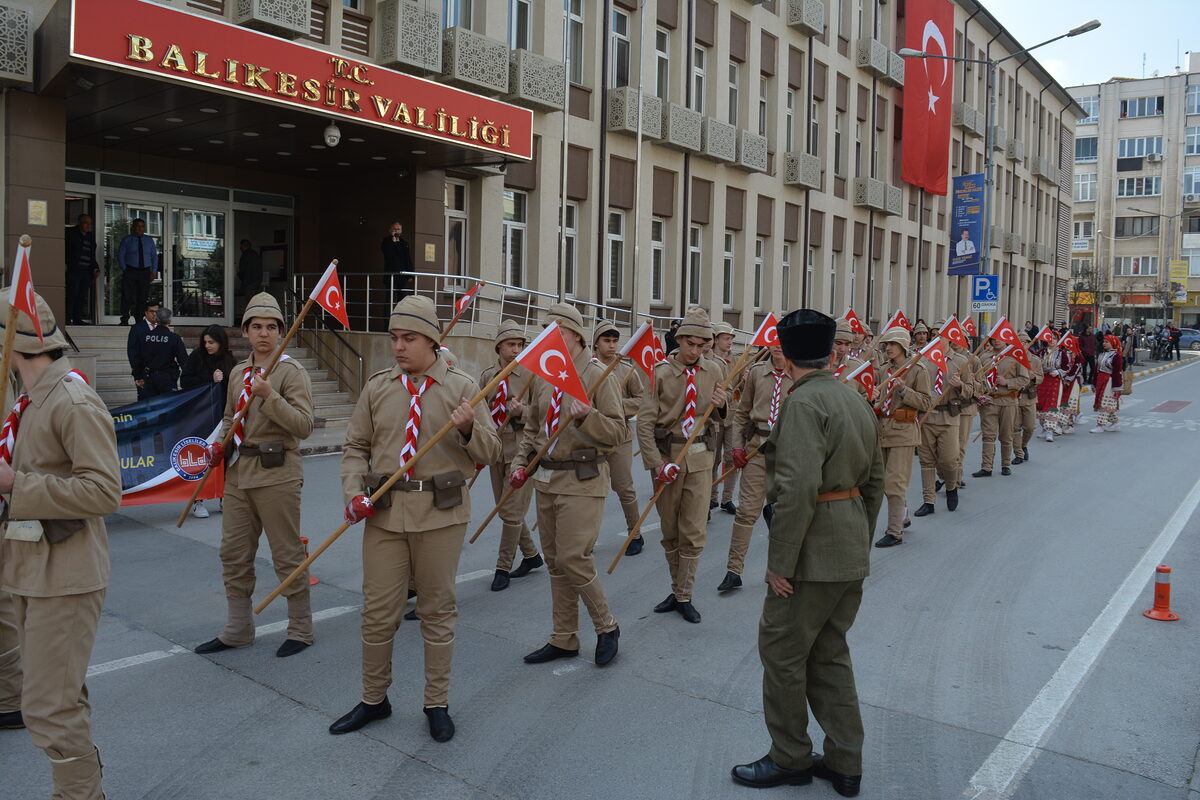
{"x":648,"y":528}
{"x":1001,"y":773}
{"x":276,"y":627}
{"x":563,"y":670}
{"x":470,"y":576}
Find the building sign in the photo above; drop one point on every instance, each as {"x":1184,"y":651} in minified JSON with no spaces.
{"x":1082,"y":299}
{"x":1179,"y":278}
{"x":1136,"y":300}
{"x":151,"y":39}
{"x":967,"y":229}
{"x":1081,"y":245}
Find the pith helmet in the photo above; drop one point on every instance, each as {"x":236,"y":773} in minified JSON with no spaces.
{"x":417,"y":314}
{"x":264,"y":306}
{"x":567,"y":316}
{"x":509,"y":329}
{"x":897,"y":335}
{"x":605,"y":328}
{"x":26,"y":339}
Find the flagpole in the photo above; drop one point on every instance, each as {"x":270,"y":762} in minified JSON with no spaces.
{"x":10,"y":324}
{"x":459,"y":313}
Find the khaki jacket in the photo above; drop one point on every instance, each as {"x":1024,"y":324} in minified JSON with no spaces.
{"x":65,"y":458}
{"x":663,"y":408}
{"x":602,"y":429}
{"x":513,"y":430}
{"x":287,"y":416}
{"x":848,"y":366}
{"x":375,"y":438}
{"x":907,"y":404}
{"x":1016,"y":375}
{"x":971,"y":375}
{"x":754,"y":408}
{"x":964,"y":395}
{"x":1028,"y":396}
{"x":632,"y":385}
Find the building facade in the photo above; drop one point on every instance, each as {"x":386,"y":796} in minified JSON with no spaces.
{"x":1136,"y":229}
{"x":740,"y":155}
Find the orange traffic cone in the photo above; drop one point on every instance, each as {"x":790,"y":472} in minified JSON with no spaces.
{"x":312,"y":579}
{"x":1162,"y":596}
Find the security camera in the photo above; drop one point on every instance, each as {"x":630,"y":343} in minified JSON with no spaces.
{"x":332,"y":134}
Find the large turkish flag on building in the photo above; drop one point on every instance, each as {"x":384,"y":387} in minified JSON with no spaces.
{"x":928,"y":95}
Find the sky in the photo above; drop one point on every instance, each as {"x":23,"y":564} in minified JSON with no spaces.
{"x":1128,"y":30}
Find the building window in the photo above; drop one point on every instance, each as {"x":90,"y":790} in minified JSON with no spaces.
{"x":1191,"y":180}
{"x":616,"y":254}
{"x":574,"y":10}
{"x":1193,"y":99}
{"x":1127,"y":266}
{"x":1083,"y":228}
{"x":789,"y":122}
{"x":727,"y":272}
{"x":1091,"y":108}
{"x":785,"y":273}
{"x":516,"y":211}
{"x":658,"y":258}
{"x":1080,"y":267}
{"x":570,"y":247}
{"x":833,"y":271}
{"x":1192,"y":147}
{"x":619,"y":49}
{"x":1141,"y":107}
{"x":814,"y":129}
{"x":662,"y":63}
{"x":858,"y":137}
{"x":764,"y":92}
{"x":1138,"y":147}
{"x":518,"y":24}
{"x":1129,"y":227}
{"x":1086,"y":148}
{"x":734,"y":75}
{"x":694,"y":256}
{"x":760,"y":249}
{"x":1085,"y":186}
{"x":699,"y":75}
{"x":454,"y":258}
{"x":1193,"y":259}
{"x":837,"y":144}
{"x":1139,"y":187}
{"x":456,"y":13}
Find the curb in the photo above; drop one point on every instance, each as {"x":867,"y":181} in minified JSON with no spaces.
{"x":1151,"y":371}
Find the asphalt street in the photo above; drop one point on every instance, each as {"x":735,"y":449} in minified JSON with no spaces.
{"x":1001,"y":652}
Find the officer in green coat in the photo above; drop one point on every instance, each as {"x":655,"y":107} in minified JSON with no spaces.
{"x":825,"y":478}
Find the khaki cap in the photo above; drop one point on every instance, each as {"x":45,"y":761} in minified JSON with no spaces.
{"x":264,"y":306}
{"x":509,"y":329}
{"x":897,"y":335}
{"x":417,"y":314}
{"x":567,"y":316}
{"x":695,"y":323}
{"x":26,"y":339}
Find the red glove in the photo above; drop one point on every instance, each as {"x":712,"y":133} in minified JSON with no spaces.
{"x":359,"y":508}
{"x":216,"y":454}
{"x":517,"y":478}
{"x":739,"y":457}
{"x":667,"y":473}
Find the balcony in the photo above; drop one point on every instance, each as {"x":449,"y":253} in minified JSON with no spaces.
{"x":1015,"y":150}
{"x":1043,"y":168}
{"x":870,"y":193}
{"x":536,"y":82}
{"x":1041,"y":253}
{"x":623,"y":112}
{"x":751,"y":151}
{"x":895,"y":75}
{"x":894,"y":202}
{"x":964,"y":116}
{"x":1012,"y":243}
{"x":996,"y":236}
{"x":872,"y":55}
{"x":802,"y":169}
{"x":999,"y":138}
{"x":474,"y":62}
{"x":806,"y":16}
{"x":682,"y":128}
{"x":16,"y":46}
{"x":719,"y":140}
{"x":288,"y":19}
{"x":409,"y":36}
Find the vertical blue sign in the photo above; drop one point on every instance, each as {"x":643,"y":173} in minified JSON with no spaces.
{"x":966,"y":214}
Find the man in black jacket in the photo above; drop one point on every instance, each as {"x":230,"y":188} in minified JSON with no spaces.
{"x":82,"y":268}
{"x":159,"y":358}
{"x":397,"y":258}
{"x":138,"y":332}
{"x":250,"y":269}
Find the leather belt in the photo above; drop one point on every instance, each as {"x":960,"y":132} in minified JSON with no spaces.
{"x":570,"y":464}
{"x":845,"y":494}
{"x":251,"y":450}
{"x":411,"y":486}
{"x":762,"y":431}
{"x":1007,"y":394}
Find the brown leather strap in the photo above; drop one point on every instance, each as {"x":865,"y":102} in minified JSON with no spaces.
{"x":845,"y":494}
{"x":569,"y":464}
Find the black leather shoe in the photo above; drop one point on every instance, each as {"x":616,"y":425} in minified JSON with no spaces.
{"x":688,"y":611}
{"x":666,"y":605}
{"x":729,"y":507}
{"x":887,"y":540}
{"x":765,"y":773}
{"x":845,"y":785}
{"x":1025,"y":455}
{"x":360,"y":715}
{"x":606,"y":647}
{"x":500,"y":581}
{"x":925,"y":510}
{"x":907,"y":524}
{"x":713,"y":504}
{"x":635,"y":546}
{"x":732,"y":581}
{"x":1017,"y":460}
{"x":290,"y":647}
{"x":11,"y":720}
{"x":411,"y":616}
{"x":983,"y":473}
{"x":768,"y":512}
{"x":527,"y":566}
{"x":441,"y":727}
{"x":952,"y":500}
{"x":961,"y":484}
{"x":1005,"y":471}
{"x":937,"y":486}
{"x":549,"y":652}
{"x":412,"y":593}
{"x":212,"y":646}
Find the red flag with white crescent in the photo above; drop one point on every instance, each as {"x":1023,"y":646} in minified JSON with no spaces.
{"x":864,"y":375}
{"x":328,"y":295}
{"x":1019,"y":354}
{"x":928,"y":95}
{"x":953,"y":331}
{"x":1046,"y":335}
{"x":898,"y":320}
{"x":935,"y":351}
{"x":854,"y":322}
{"x":466,"y":299}
{"x":968,"y":325}
{"x":767,"y":334}
{"x":1069,"y":343}
{"x":547,"y":357}
{"x":1004,"y":331}
{"x":642,"y":347}
{"x":21,"y":295}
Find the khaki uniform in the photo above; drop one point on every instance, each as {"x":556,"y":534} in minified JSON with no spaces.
{"x":843,"y":370}
{"x":996,"y":418}
{"x":259,"y":499}
{"x":409,"y":534}
{"x":723,"y":452}
{"x":938,"y":451}
{"x":970,"y":410}
{"x":751,"y":427}
{"x":620,"y":461}
{"x":570,"y":502}
{"x":514,"y":530}
{"x":682,"y":511}
{"x":65,"y":458}
{"x":10,"y":648}
{"x":899,"y":434}
{"x":1025,"y":420}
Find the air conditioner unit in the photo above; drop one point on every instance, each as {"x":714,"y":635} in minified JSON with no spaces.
{"x":1110,"y":298}
{"x":1191,"y":198}
{"x":1154,"y":158}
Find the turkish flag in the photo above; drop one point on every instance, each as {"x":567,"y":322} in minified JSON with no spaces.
{"x":643,"y":348}
{"x":898,"y":320}
{"x":1004,"y":332}
{"x":328,"y":295}
{"x":935,"y":351}
{"x":767,"y":334}
{"x":466,"y":299}
{"x":928,"y":95}
{"x":1070,"y":343}
{"x":1046,"y":335}
{"x":953,"y":331}
{"x":1019,"y":354}
{"x":864,"y":375}
{"x":854,"y":322}
{"x":968,"y":325}
{"x":21,"y":295}
{"x":548,"y":358}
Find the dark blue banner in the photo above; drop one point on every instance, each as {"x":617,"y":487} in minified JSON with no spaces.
{"x":966,"y":216}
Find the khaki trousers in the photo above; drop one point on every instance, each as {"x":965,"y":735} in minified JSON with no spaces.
{"x":897,"y":472}
{"x":388,"y":559}
{"x":938,"y":452}
{"x":1024,"y":426}
{"x":56,"y":637}
{"x":723,"y":460}
{"x":515,"y":530}
{"x":965,"y":423}
{"x":750,"y":503}
{"x":997,"y":421}
{"x":10,"y":656}
{"x":568,"y":527}
{"x":806,"y":662}
{"x":620,"y":472}
{"x":248,"y":513}
{"x":683,"y":517}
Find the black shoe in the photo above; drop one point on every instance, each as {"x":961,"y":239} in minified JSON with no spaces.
{"x":925,"y":510}
{"x":765,"y":773}
{"x":1005,"y":471}
{"x":1025,"y":455}
{"x":290,"y":647}
{"x":768,"y":512}
{"x":500,"y":581}
{"x":845,"y":785}
{"x":952,"y":499}
{"x":732,"y":581}
{"x":527,"y":566}
{"x":907,"y":524}
{"x":549,"y":652}
{"x":212,"y":646}
{"x":411,"y":616}
{"x":666,"y":605}
{"x":11,"y":720}
{"x":1017,"y":460}
{"x":937,"y":486}
{"x":688,"y":611}
{"x":961,"y":484}
{"x":606,"y":647}
{"x":360,"y":715}
{"x":713,"y":504}
{"x":635,"y":546}
{"x":983,"y":473}
{"x":412,"y":593}
{"x":441,"y":727}
{"x":887,"y":540}
{"x":728,"y":507}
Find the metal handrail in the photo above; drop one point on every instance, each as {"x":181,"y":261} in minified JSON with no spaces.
{"x":342,"y":365}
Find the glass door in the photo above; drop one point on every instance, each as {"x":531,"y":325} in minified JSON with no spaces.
{"x":196,"y":275}
{"x":119,"y":216}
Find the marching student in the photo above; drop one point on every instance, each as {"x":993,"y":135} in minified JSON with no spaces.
{"x":606,"y":339}
{"x":900,"y":398}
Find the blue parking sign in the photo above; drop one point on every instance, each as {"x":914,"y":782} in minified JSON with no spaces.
{"x":985,"y":293}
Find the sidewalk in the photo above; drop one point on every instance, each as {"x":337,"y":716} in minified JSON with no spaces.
{"x":1187,"y":358}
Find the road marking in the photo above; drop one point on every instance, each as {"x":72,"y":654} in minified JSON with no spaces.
{"x":470,"y":576}
{"x":1169,"y":407}
{"x":1001,"y":773}
{"x":563,"y":670}
{"x":276,"y":627}
{"x":649,"y":528}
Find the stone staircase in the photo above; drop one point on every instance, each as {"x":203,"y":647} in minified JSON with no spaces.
{"x":331,"y":406}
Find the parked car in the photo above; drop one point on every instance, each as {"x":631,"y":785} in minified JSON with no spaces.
{"x":1189,"y":339}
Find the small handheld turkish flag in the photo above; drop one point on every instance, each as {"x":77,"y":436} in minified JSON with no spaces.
{"x":328,"y":295}
{"x":21,"y":295}
{"x":548,"y":358}
{"x":898,"y":320}
{"x":864,"y":375}
{"x":1004,"y":331}
{"x":643,"y":347}
{"x":1019,"y":354}
{"x":953,"y":331}
{"x":767,"y":334}
{"x":854,"y":322}
{"x":1046,"y":335}
{"x":466,"y":299}
{"x":968,"y":325}
{"x":935,"y":351}
{"x":1069,"y":343}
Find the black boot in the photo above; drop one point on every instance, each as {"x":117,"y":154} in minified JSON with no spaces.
{"x":549,"y":652}
{"x":1005,"y":471}
{"x":1017,"y":460}
{"x":688,"y":611}
{"x":728,"y":507}
{"x":500,"y":581}
{"x":732,"y":581}
{"x":411,"y":616}
{"x":952,"y":499}
{"x":212,"y":646}
{"x":360,"y":715}
{"x":11,"y":720}
{"x":441,"y":727}
{"x":635,"y":546}
{"x":290,"y":647}
{"x":606,"y":647}
{"x":765,"y":773}
{"x":937,"y":486}
{"x":845,"y":785}
{"x":888,"y":540}
{"x":527,"y":565}
{"x":983,"y":473}
{"x":666,"y":605}
{"x":925,"y":510}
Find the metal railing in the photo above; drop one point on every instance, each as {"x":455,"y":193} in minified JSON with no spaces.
{"x":332,"y":351}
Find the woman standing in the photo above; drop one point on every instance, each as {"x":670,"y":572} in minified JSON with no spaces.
{"x":210,"y":362}
{"x":1050,"y":391}
{"x":1109,"y":367}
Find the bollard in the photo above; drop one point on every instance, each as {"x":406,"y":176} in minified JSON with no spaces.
{"x":1162,"y":596}
{"x":312,"y":579}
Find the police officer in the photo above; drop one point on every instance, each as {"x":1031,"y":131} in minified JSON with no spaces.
{"x":605,"y":339}
{"x":263,"y":482}
{"x":61,"y":477}
{"x":159,"y":357}
{"x":900,"y":397}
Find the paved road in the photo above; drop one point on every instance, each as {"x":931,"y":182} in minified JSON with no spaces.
{"x":1000,"y":652}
